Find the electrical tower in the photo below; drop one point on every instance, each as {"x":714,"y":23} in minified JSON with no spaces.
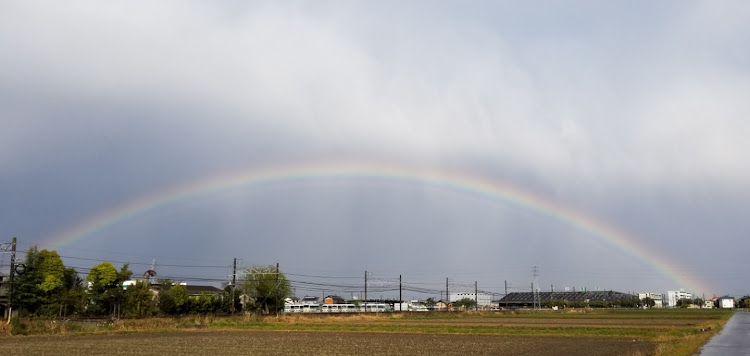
{"x":535,"y":287}
{"x":11,"y":247}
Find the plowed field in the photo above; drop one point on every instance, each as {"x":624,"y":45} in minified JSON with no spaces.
{"x":318,"y":343}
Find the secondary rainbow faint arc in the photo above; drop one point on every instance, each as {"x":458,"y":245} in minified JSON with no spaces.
{"x":463,"y":183}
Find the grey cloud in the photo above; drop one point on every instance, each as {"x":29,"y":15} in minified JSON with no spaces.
{"x":598,"y":106}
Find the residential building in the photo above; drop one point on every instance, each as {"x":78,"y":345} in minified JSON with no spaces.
{"x":658,"y":298}
{"x":483,"y":299}
{"x":334,"y":299}
{"x":439,"y":305}
{"x":726,"y":302}
{"x":309,"y":300}
{"x":674,"y":296}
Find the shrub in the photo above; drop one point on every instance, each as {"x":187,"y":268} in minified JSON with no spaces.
{"x":17,"y":327}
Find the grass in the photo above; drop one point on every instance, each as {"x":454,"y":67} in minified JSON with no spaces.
{"x":673,"y":332}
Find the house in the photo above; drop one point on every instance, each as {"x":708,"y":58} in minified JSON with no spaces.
{"x":440,"y":305}
{"x":334,"y":299}
{"x":657,"y":298}
{"x":196,"y":291}
{"x":309,"y":300}
{"x":726,"y":302}
{"x":709,"y":304}
{"x":192,"y":290}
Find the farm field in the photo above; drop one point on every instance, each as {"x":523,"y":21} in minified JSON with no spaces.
{"x":317,"y":343}
{"x":597,"y":332}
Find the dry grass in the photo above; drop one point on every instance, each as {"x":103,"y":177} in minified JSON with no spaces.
{"x":689,"y":344}
{"x":5,"y":329}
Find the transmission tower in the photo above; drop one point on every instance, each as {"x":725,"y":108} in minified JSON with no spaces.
{"x":535,"y":287}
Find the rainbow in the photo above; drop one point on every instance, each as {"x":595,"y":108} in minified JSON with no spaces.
{"x":488,"y":189}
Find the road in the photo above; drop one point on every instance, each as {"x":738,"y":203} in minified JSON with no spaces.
{"x":734,"y":338}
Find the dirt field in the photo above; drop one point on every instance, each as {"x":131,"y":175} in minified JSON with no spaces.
{"x":599,"y":332}
{"x":318,"y":343}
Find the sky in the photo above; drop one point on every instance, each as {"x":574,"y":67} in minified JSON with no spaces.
{"x":630,"y":114}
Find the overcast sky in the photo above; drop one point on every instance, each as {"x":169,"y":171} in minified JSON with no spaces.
{"x":633,"y":113}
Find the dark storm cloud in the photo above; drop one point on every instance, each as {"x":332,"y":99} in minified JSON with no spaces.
{"x":612,"y":109}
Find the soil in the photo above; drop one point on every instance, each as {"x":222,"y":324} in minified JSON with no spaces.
{"x":272,"y":343}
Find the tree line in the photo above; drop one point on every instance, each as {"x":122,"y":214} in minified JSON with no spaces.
{"x":47,"y":288}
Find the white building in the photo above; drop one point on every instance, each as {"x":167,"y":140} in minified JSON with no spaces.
{"x":673,"y":296}
{"x":483,"y":299}
{"x":309,"y":300}
{"x":658,"y":298}
{"x":726,"y":302}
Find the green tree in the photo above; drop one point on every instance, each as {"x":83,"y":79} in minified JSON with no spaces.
{"x":73,"y":294}
{"x":466,"y":303}
{"x":267,"y":288}
{"x":102,"y":276}
{"x":684,"y":303}
{"x":175,"y":300}
{"x":226,"y":300}
{"x":181,"y":298}
{"x":648,"y":302}
{"x":52,"y":266}
{"x":699,"y":302}
{"x":139,"y":300}
{"x":39,"y":288}
{"x":166,"y":302}
{"x":430,"y":302}
{"x":106,"y":291}
{"x":206,"y":303}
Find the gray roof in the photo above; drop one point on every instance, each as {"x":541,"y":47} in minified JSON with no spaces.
{"x":191,"y":289}
{"x":528,"y":297}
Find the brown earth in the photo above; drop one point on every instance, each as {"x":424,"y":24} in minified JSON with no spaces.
{"x":318,"y":343}
{"x":544,"y":322}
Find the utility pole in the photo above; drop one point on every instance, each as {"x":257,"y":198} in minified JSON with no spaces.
{"x":400,"y":301}
{"x":276,"y":300}
{"x":476,"y":296}
{"x":447,"y":296}
{"x":234,"y":285}
{"x":365,"y":291}
{"x":506,"y":294}
{"x":12,"y":270}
